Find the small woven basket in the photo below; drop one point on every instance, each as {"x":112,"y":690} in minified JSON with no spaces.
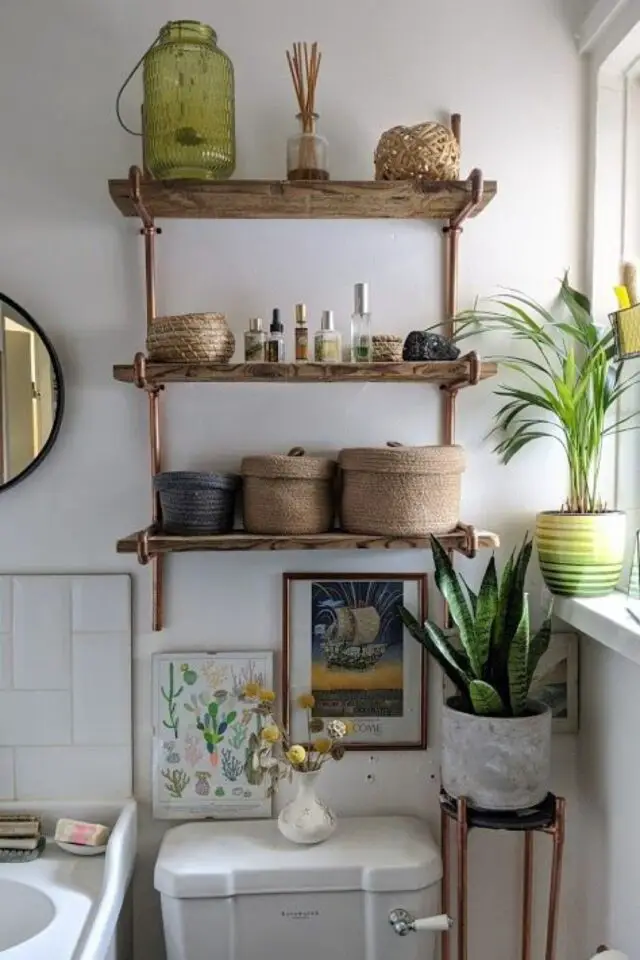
{"x":288,"y":495}
{"x":386,"y":348}
{"x":194,"y":503}
{"x":401,"y":491}
{"x":428,"y":151}
{"x":191,"y":338}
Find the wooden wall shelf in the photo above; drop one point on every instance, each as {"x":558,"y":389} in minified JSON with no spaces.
{"x":284,"y":200}
{"x":149,"y":543}
{"x":455,"y":373}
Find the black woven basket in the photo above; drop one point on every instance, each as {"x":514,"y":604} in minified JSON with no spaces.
{"x":194,"y":503}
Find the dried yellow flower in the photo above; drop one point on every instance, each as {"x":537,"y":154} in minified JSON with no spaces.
{"x":268,"y":696}
{"x":306,"y":701}
{"x":296,"y":754}
{"x":322,"y":745}
{"x":270,"y":734}
{"x":349,"y":724}
{"x":251,"y":690}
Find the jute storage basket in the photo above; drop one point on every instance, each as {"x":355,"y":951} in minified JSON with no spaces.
{"x":401,"y":491}
{"x":191,"y":338}
{"x":288,"y":495}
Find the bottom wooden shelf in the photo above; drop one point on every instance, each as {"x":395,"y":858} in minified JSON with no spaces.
{"x":149,"y":543}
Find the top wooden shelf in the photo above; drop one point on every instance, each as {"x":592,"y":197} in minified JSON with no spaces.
{"x":300,"y":200}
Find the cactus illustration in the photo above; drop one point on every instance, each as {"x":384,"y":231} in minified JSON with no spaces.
{"x":171,"y":697}
{"x":171,"y":755}
{"x":203,"y":786}
{"x":188,"y":675}
{"x":196,"y":704}
{"x":213,"y":725}
{"x":219,"y":791}
{"x":231,"y":766}
{"x":177,"y":781}
{"x":237,"y":735}
{"x":192,"y":749}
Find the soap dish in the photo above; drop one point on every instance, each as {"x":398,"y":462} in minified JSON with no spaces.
{"x":23,"y":856}
{"x":81,"y":849}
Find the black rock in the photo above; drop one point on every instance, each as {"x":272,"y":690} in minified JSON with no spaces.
{"x":421,"y":345}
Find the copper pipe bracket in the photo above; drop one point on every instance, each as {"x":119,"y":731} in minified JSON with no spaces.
{"x":476,"y":182}
{"x":473,"y":377}
{"x":471,"y":541}
{"x":142,"y":547}
{"x":140,"y":375}
{"x":135,"y":182}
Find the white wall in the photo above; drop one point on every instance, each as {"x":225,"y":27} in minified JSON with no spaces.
{"x":511,"y":69}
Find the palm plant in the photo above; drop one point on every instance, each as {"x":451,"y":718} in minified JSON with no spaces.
{"x":573,"y":385}
{"x":494,"y":668}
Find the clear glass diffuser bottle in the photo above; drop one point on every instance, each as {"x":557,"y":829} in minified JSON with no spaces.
{"x":361,"y":343}
{"x":307,"y":152}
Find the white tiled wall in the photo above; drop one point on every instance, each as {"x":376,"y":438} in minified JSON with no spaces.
{"x":65,"y":688}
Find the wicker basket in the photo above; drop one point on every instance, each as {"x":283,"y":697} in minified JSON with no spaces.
{"x":401,"y":491}
{"x":194,"y":503}
{"x":290,"y":495}
{"x":191,"y":338}
{"x":428,"y":151}
{"x":386,"y":348}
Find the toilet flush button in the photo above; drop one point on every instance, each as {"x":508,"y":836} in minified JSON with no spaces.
{"x":403,"y":922}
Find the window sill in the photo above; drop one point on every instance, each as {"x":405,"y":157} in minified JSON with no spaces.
{"x":605,"y":619}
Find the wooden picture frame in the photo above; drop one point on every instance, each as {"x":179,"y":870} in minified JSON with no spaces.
{"x":380,"y":684}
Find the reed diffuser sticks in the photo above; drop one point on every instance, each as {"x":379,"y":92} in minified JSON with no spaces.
{"x":306,"y":153}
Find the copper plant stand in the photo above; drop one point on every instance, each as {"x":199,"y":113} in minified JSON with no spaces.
{"x":548,"y":817}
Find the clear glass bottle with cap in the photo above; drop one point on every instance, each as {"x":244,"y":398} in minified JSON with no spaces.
{"x":327,"y":341}
{"x":275,"y":340}
{"x":361,"y":344}
{"x":302,"y":334}
{"x":255,"y":341}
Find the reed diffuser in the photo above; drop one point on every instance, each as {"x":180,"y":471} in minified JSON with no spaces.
{"x":307,"y":150}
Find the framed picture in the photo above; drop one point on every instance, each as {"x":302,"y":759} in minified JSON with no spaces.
{"x":204,"y":735}
{"x":555,"y":681}
{"x":344,"y":641}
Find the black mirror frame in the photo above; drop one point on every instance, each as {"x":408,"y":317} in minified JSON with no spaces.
{"x":57,"y":370}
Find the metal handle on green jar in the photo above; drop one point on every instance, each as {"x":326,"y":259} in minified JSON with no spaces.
{"x":126,"y":84}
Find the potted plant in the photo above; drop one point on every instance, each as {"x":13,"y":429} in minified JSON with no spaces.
{"x":496,"y":742}
{"x":571,"y":392}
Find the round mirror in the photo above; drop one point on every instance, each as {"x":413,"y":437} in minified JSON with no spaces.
{"x":31,"y":393}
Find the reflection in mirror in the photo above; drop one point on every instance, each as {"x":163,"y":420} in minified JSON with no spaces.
{"x":31,"y":396}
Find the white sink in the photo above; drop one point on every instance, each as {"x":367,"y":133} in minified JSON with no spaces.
{"x":24,"y":913}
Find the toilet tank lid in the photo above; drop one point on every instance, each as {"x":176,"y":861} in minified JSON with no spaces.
{"x":381,"y":854}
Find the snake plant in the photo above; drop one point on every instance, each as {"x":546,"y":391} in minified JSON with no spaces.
{"x":494,"y":666}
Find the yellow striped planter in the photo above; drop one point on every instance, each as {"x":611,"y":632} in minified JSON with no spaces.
{"x":581,"y":554}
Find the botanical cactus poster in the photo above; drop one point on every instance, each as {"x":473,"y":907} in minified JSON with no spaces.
{"x":205,"y":734}
{"x":346,"y":645}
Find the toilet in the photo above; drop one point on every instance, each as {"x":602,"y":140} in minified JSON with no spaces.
{"x":239,"y":891}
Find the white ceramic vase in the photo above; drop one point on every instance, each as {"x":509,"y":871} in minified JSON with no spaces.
{"x":306,"y":819}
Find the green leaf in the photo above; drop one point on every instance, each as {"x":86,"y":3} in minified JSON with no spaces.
{"x":213,"y":709}
{"x":433,"y":639}
{"x":518,"y":664}
{"x":473,"y":597}
{"x":485,"y":699}
{"x":231,"y":716}
{"x":485,"y":610}
{"x":537,"y":648}
{"x":448,"y":585}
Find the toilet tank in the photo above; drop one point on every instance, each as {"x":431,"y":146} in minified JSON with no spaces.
{"x":240,"y":891}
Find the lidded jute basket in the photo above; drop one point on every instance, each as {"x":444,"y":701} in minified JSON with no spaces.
{"x":401,"y":491}
{"x":288,"y":495}
{"x":427,"y":151}
{"x":191,"y":338}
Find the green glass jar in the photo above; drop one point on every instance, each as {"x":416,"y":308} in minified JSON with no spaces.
{"x":189,"y":109}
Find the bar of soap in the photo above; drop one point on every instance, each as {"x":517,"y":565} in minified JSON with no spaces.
{"x":85,"y":834}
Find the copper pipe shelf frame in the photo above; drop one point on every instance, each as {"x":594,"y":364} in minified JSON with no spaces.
{"x":548,"y":818}
{"x":451,"y":201}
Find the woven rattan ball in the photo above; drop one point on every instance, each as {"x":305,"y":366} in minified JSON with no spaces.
{"x":428,"y":151}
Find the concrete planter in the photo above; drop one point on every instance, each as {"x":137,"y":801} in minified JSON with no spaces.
{"x":497,"y":763}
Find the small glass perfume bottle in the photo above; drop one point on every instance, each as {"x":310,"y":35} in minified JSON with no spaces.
{"x":275,"y":340}
{"x":328,"y":342}
{"x":255,"y":341}
{"x":361,"y":325}
{"x":302,"y":334}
